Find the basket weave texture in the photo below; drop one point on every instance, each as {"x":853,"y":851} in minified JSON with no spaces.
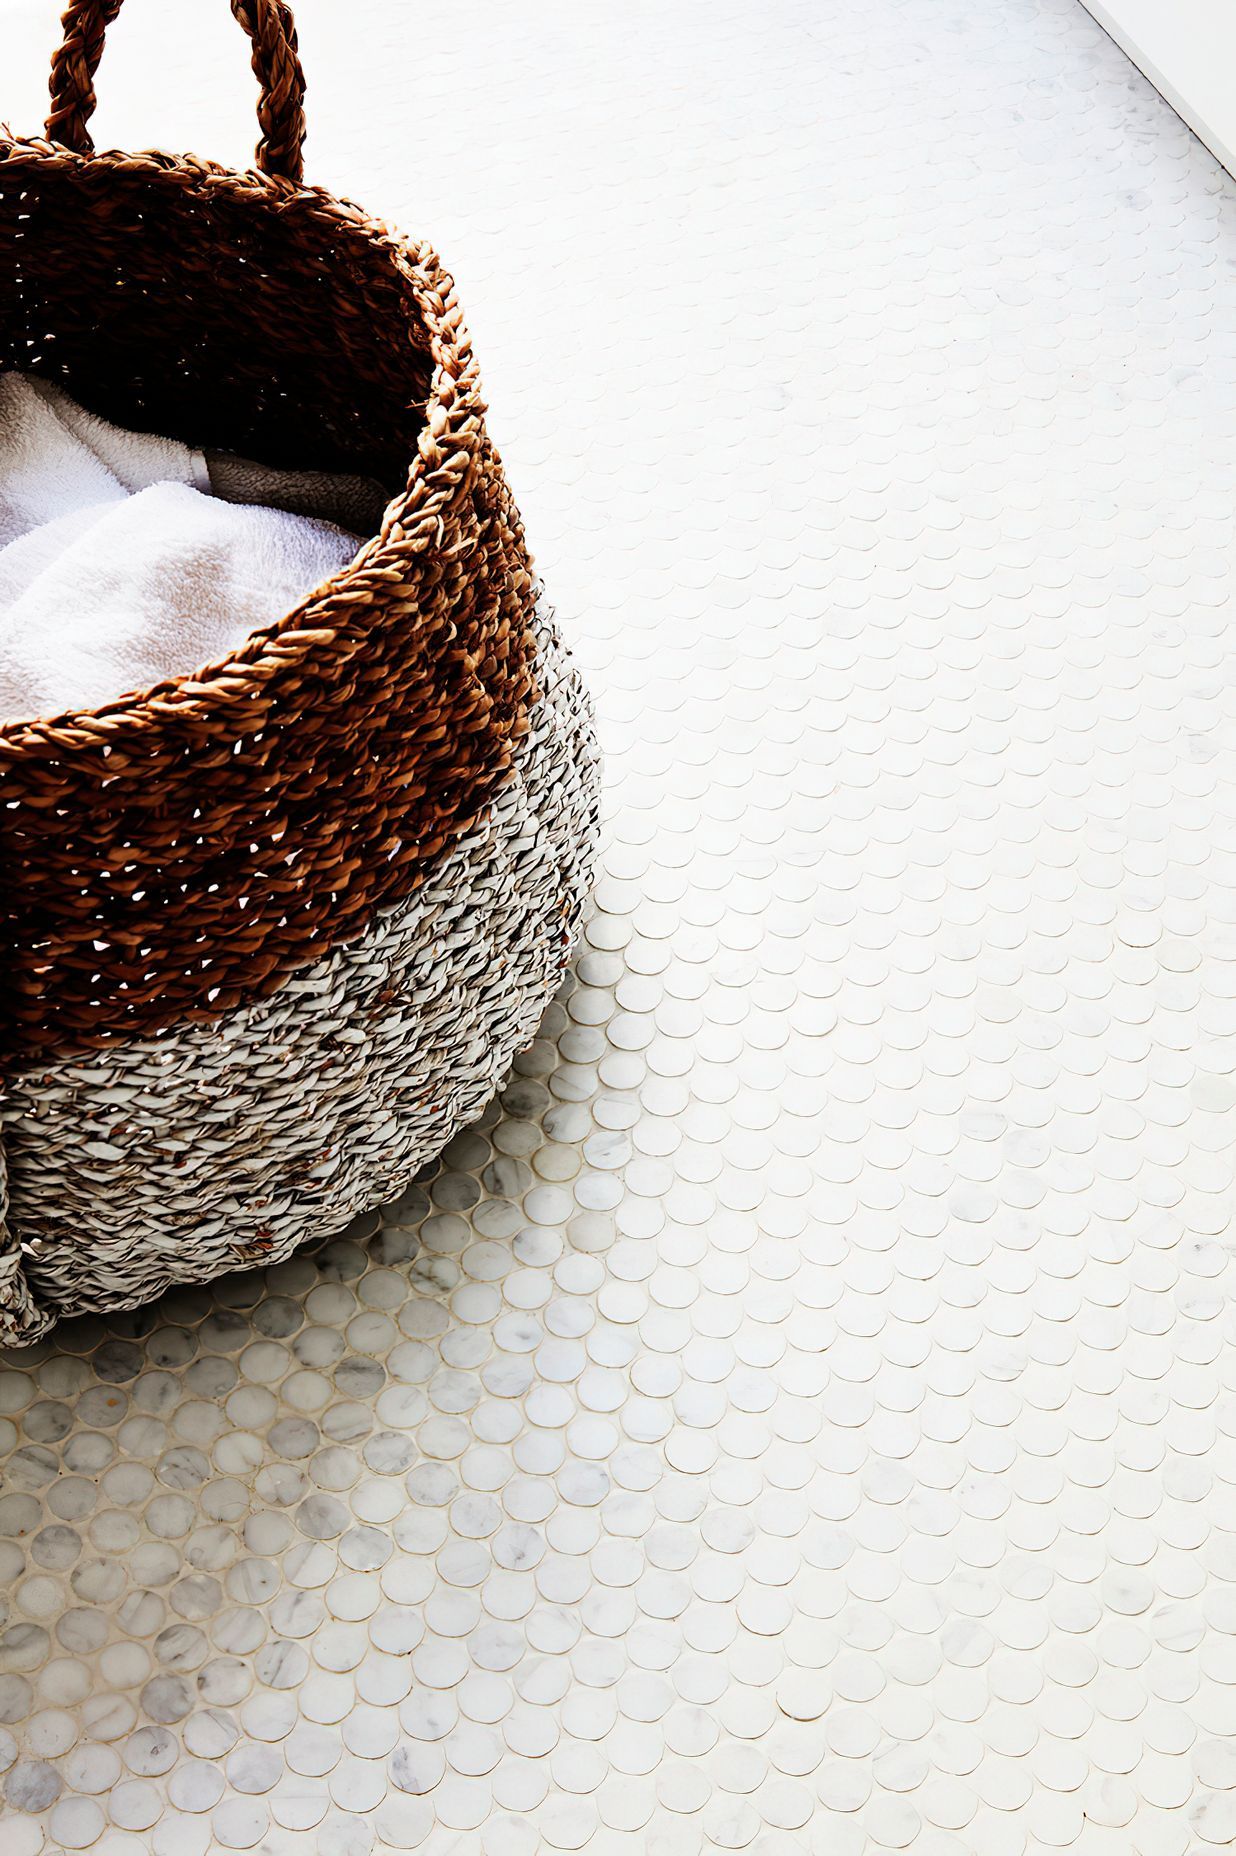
{"x":176,"y":863}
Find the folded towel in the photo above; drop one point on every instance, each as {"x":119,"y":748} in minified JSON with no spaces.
{"x":59,"y":437}
{"x":123,"y":562}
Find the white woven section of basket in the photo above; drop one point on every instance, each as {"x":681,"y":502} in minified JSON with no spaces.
{"x":172,"y":1159}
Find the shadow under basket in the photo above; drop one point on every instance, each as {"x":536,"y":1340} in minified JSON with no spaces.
{"x":271,"y":932}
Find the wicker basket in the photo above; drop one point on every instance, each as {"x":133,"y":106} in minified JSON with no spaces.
{"x":271,"y":932}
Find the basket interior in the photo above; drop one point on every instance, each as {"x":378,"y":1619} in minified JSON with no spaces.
{"x":174,"y":300}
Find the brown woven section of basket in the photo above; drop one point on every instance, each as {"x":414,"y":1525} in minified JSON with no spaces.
{"x":180,"y":852}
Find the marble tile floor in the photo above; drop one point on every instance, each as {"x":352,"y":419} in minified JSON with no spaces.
{"x":801,"y":1415}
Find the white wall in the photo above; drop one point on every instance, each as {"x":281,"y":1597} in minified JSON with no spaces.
{"x":1187,"y":48}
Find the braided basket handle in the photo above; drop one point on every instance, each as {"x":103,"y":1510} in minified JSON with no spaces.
{"x":276,"y":66}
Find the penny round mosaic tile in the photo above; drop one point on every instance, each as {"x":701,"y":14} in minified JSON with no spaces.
{"x":800,"y":1414}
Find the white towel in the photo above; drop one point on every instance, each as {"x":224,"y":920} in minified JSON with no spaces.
{"x":120,"y":568}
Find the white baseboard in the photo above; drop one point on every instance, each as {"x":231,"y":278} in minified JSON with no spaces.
{"x":1187,"y":48}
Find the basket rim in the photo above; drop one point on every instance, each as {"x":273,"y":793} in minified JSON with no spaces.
{"x":447,"y":444}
